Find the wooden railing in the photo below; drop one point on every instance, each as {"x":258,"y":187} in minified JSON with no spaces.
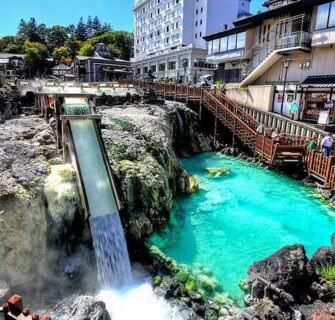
{"x":322,"y":168}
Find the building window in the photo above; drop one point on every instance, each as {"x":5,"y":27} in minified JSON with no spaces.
{"x":153,"y":68}
{"x":196,"y":23}
{"x":240,"y":40}
{"x":224,"y":44}
{"x":145,"y":70}
{"x":196,"y":36}
{"x":172,"y":65}
{"x":161,"y":67}
{"x":326,"y":16}
{"x":232,"y":42}
{"x":200,"y":34}
{"x":200,"y":21}
{"x":216,"y":46}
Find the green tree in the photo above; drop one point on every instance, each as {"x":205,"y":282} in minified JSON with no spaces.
{"x":36,"y":58}
{"x":32,"y":31}
{"x":61,"y":53}
{"x":86,"y":50}
{"x":11,"y":44}
{"x":96,"y":25}
{"x":80,"y":32}
{"x":73,"y":46}
{"x":120,"y":43}
{"x":56,"y":37}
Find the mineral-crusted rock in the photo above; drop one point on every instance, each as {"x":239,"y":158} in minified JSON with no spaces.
{"x":88,"y":308}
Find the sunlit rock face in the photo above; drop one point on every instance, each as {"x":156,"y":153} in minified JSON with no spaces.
{"x":39,"y":203}
{"x":141,"y":142}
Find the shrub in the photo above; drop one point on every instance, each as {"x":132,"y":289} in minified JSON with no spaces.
{"x":326,"y":272}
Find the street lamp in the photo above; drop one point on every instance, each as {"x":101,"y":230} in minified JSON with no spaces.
{"x":287,"y":63}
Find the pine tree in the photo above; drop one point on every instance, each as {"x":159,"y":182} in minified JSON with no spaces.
{"x":96,"y":25}
{"x":80,"y":32}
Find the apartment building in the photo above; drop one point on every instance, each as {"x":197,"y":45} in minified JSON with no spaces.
{"x":169,"y":35}
{"x":281,"y":60}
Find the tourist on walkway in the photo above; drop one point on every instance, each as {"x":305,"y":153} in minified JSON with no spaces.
{"x":276,"y":135}
{"x":326,"y":144}
{"x":312,"y":144}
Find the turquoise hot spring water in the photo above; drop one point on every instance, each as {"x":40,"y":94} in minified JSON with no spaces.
{"x":235,"y":220}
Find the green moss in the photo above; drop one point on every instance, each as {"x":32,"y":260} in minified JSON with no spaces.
{"x":157,"y":280}
{"x":121,"y":125}
{"x":191,"y":285}
{"x":207,"y":284}
{"x":182,"y":276}
{"x":222,"y":299}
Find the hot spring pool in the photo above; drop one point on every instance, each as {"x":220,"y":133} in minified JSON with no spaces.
{"x":244,"y":217}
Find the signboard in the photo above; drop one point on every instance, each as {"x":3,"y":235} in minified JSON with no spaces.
{"x":324,"y":117}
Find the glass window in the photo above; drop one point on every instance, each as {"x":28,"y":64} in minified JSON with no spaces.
{"x":241,"y":40}
{"x":216,"y":46}
{"x":322,"y":16}
{"x":210,"y":47}
{"x":332,"y":15}
{"x":232,"y":42}
{"x":223,"y":44}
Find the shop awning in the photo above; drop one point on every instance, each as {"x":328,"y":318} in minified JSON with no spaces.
{"x":319,"y":82}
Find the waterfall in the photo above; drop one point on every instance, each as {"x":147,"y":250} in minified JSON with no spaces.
{"x":111,"y":251}
{"x":109,"y":242}
{"x":180,"y":121}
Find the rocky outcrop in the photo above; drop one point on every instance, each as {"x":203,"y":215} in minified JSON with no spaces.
{"x":288,"y":285}
{"x":37,"y":210}
{"x":287,"y":269}
{"x":88,"y":308}
{"x":10,"y":103}
{"x":141,"y":140}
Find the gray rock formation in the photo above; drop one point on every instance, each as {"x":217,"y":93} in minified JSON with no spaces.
{"x":141,"y":141}
{"x":34,"y":217}
{"x":287,"y":269}
{"x":10,"y":103}
{"x":88,"y":308}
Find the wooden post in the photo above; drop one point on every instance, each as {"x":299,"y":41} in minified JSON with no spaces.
{"x":58,"y":123}
{"x":329,"y":166}
{"x":200,"y":105}
{"x":234,"y":132}
{"x":215,"y":123}
{"x":45,"y":104}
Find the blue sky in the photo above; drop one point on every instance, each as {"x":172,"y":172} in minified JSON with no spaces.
{"x":64,"y":12}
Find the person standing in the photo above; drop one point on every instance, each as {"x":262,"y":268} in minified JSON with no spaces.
{"x":312,"y":144}
{"x":326,"y":144}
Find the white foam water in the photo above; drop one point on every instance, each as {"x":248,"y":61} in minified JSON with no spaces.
{"x":138,"y":302}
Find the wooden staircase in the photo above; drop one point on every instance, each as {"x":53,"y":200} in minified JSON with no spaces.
{"x":232,"y":116}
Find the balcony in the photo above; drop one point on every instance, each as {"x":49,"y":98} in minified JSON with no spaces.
{"x":225,"y":56}
{"x":301,"y":40}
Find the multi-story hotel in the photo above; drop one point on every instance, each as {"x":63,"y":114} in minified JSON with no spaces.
{"x":169,"y":35}
{"x":281,"y":60}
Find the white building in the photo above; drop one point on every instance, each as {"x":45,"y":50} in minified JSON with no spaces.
{"x":169,"y":34}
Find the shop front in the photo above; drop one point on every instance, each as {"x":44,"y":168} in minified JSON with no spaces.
{"x":311,"y":101}
{"x":318,"y":99}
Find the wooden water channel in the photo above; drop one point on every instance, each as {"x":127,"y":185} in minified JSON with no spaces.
{"x":242,"y":125}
